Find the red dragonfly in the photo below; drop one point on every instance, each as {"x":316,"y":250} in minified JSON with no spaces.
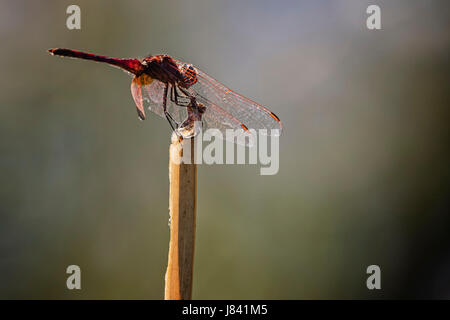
{"x":180,"y":92}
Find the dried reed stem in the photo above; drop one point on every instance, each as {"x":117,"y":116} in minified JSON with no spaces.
{"x":182,"y":207}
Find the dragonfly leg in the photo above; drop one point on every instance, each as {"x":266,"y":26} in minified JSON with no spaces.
{"x":166,"y":113}
{"x":175,"y":97}
{"x":178,"y":97}
{"x":175,"y":94}
{"x":187,"y":96}
{"x":172,"y":94}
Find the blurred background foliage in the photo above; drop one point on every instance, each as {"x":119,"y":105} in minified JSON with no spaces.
{"x":364,"y":175}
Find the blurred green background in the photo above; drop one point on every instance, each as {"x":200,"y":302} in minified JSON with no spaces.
{"x":364,"y":158}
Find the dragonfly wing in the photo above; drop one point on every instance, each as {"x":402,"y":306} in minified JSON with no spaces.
{"x":230,"y":128}
{"x":136,"y":92}
{"x":149,"y":93}
{"x":248,"y":112}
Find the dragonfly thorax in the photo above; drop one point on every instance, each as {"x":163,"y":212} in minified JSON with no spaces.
{"x":163,"y":68}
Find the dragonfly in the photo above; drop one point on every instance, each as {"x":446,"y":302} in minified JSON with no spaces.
{"x":184,"y":94}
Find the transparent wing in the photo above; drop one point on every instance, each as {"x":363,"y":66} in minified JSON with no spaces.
{"x":251,"y":114}
{"x":230,"y":128}
{"x":149,"y":93}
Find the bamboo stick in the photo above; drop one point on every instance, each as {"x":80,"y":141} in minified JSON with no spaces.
{"x":182,"y":208}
